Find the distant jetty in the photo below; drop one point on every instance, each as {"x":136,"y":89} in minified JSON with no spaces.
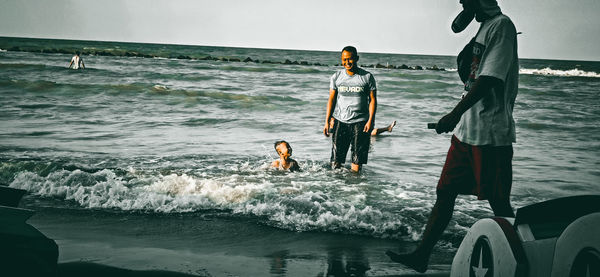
{"x":129,"y":53}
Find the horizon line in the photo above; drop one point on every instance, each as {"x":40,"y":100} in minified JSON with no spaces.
{"x":266,"y":48}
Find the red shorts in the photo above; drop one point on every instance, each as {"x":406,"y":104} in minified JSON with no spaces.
{"x":485,"y":171}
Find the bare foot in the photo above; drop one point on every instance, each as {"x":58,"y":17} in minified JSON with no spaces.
{"x":410,"y":260}
{"x":391,"y":126}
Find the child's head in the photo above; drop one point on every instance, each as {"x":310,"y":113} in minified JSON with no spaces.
{"x":349,"y":58}
{"x":283,"y":148}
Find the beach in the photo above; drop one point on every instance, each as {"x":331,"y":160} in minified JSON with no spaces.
{"x":156,"y":157}
{"x":213,"y":246}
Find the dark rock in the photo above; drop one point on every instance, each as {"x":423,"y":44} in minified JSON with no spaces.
{"x":304,"y":63}
{"x":403,"y":66}
{"x":234,"y":60}
{"x":418,"y":67}
{"x":379,"y":66}
{"x":287,"y":61}
{"x":248,"y":59}
{"x":10,"y":196}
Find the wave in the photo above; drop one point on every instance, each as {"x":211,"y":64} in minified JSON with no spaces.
{"x":294,"y":206}
{"x":555,"y":72}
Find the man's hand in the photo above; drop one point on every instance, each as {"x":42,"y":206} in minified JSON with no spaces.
{"x":447,"y":123}
{"x":326,"y":129}
{"x":367,"y":126}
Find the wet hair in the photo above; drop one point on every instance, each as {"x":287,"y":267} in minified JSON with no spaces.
{"x":286,"y":144}
{"x":351,"y":49}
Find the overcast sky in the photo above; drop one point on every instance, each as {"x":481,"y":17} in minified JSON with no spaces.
{"x":552,"y":29}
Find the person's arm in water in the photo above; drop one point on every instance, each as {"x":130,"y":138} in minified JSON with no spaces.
{"x":482,"y":87}
{"x":330,"y":107}
{"x":275,"y":163}
{"x":71,"y":63}
{"x":372,"y":111}
{"x":82,"y":63}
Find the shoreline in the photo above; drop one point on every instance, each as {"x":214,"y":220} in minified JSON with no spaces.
{"x":144,"y":245}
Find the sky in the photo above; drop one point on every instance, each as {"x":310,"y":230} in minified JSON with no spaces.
{"x":552,"y":29}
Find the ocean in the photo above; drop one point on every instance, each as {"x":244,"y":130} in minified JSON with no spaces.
{"x":162,"y":131}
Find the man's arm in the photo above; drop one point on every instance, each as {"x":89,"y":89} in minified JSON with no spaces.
{"x":372,"y":111}
{"x":330,"y":106}
{"x":82,"y":63}
{"x":482,"y":87}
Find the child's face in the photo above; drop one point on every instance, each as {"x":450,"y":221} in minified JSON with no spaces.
{"x":283,"y":151}
{"x":349,"y":60}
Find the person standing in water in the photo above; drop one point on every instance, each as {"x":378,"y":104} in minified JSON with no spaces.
{"x":77,"y":62}
{"x":352,"y":103}
{"x":479,"y":161}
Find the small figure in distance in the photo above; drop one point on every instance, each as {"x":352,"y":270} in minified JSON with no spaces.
{"x":284,"y":150}
{"x":77,"y":62}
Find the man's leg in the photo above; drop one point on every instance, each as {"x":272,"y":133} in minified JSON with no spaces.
{"x":498,"y":174}
{"x":340,"y":144}
{"x":456,"y":175}
{"x":501,"y":207}
{"x":360,"y":146}
{"x":438,"y":221}
{"x":389,"y":128}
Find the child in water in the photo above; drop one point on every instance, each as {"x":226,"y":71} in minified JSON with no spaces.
{"x":284,"y":150}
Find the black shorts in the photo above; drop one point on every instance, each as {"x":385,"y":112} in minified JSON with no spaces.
{"x":350,"y":135}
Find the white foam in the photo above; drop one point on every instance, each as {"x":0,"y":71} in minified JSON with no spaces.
{"x":2,"y":50}
{"x":553,"y":72}
{"x":297,"y":205}
{"x":160,"y":87}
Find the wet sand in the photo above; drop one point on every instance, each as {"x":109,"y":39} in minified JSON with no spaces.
{"x":189,"y":244}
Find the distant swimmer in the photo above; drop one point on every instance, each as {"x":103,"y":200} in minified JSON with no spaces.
{"x":77,"y":62}
{"x":389,"y":128}
{"x":284,"y":150}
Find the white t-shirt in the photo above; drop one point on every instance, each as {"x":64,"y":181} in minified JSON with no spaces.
{"x":353,"y":91}
{"x":490,"y":120}
{"x":76,"y":60}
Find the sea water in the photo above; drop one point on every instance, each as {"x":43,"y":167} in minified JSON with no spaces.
{"x":171,"y":129}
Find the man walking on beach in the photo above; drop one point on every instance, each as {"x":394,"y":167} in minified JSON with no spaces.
{"x":353,"y":102}
{"x":479,"y":161}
